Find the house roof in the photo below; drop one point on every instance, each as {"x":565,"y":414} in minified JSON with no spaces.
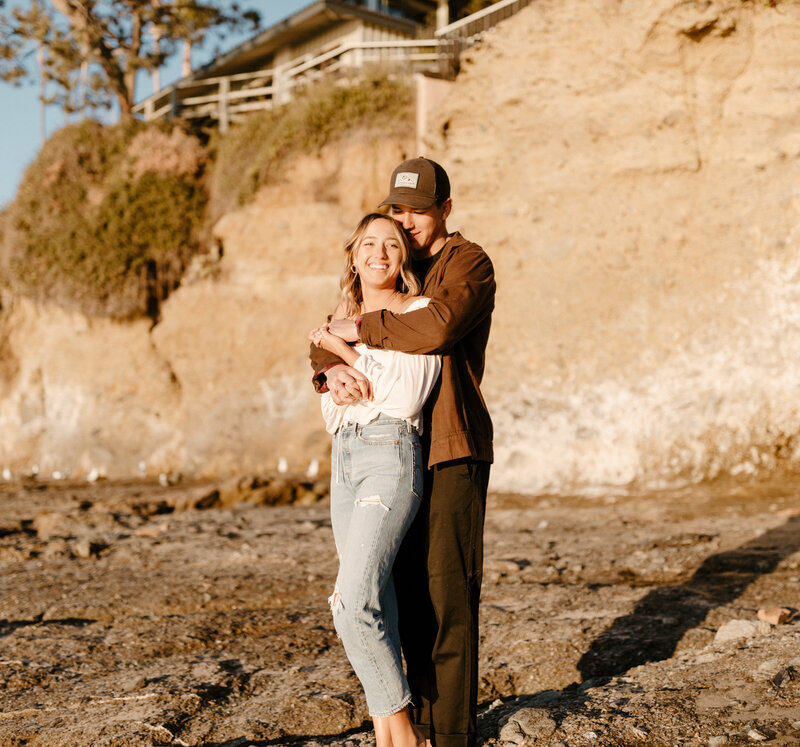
{"x":256,"y":52}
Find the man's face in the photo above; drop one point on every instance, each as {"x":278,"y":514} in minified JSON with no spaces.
{"x":424,"y":227}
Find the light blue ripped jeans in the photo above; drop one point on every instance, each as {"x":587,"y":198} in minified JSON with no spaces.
{"x":376,"y":486}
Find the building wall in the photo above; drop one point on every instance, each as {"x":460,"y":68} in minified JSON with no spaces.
{"x":329,"y":39}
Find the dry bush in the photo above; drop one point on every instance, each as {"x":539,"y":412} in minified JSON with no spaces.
{"x":157,"y":152}
{"x":252,"y":151}
{"x":93,"y":229}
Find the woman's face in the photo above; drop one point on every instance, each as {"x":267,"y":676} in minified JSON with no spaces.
{"x":379,"y":256}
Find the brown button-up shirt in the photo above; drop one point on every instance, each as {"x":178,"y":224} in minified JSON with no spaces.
{"x":460,"y":283}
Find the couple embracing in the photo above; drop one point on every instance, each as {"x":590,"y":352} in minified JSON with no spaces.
{"x":400,"y":365}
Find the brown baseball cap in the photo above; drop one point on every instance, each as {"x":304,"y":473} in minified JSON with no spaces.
{"x":419,"y":183}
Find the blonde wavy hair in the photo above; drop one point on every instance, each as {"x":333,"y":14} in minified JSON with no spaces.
{"x":352,"y":296}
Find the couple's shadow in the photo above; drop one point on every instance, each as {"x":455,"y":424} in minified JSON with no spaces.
{"x":654,"y":628}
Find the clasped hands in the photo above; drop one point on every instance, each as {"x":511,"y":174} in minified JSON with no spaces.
{"x":346,"y":384}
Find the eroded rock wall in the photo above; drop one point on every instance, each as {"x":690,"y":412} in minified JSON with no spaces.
{"x":634,"y":172}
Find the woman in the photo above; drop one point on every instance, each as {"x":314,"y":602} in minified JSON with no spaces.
{"x":376,"y":471}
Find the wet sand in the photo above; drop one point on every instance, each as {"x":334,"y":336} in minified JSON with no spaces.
{"x":141,"y":614}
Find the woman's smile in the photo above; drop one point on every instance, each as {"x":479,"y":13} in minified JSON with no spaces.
{"x":379,"y":256}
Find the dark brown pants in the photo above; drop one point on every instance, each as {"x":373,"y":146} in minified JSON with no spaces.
{"x":437,"y":576}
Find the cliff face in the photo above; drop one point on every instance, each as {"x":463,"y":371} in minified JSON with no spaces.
{"x":633,"y":171}
{"x":221,"y":384}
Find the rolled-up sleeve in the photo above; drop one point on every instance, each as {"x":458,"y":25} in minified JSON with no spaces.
{"x":463,"y":298}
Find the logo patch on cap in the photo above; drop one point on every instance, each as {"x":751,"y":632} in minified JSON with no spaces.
{"x":406,"y":179}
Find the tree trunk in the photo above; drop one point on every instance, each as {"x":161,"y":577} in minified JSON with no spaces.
{"x":186,"y":68}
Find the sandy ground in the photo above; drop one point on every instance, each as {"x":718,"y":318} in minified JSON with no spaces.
{"x":132,"y":615}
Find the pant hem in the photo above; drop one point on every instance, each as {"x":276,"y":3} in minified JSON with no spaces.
{"x":391,"y":712}
{"x":454,"y":740}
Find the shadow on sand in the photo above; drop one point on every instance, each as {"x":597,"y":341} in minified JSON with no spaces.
{"x":654,"y":628}
{"x":652,"y":631}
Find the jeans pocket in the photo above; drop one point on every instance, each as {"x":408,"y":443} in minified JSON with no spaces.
{"x":379,"y":434}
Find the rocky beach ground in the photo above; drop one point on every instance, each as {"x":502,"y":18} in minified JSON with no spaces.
{"x":195,"y":614}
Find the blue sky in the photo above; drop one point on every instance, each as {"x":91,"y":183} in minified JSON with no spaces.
{"x":20,"y":122}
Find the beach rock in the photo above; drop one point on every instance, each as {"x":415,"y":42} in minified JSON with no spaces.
{"x":82,"y":548}
{"x":735,"y":630}
{"x":774,"y":615}
{"x":527,"y":725}
{"x":787,"y":675}
{"x":132,"y":684}
{"x":48,"y":524}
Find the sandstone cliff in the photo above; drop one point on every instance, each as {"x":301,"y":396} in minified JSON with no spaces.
{"x":634,"y":172}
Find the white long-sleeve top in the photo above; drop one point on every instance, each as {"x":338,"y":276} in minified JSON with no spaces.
{"x":401,"y":383}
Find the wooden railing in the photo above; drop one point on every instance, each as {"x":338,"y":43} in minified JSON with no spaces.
{"x":470,"y":29}
{"x":225,"y":97}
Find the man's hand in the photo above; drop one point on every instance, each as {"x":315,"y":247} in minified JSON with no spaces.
{"x":347,"y":385}
{"x":344,"y":328}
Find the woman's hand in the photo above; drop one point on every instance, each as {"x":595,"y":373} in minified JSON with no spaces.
{"x":323,"y":338}
{"x":347,"y":385}
{"x":344,"y":328}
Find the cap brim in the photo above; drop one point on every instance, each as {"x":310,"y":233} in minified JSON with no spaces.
{"x":420,"y":202}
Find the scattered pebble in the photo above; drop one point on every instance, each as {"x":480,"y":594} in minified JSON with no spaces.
{"x":774,"y":615}
{"x":169,"y":478}
{"x":151,"y":530}
{"x":82,"y":549}
{"x":49,"y":524}
{"x":717,"y":741}
{"x":756,"y":735}
{"x":770,"y":666}
{"x":527,"y":723}
{"x":133,"y":684}
{"x":789,"y":674}
{"x":735,"y":630}
{"x":503,"y":565}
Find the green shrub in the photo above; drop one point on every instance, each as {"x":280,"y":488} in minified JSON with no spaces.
{"x":247,"y":156}
{"x":93,"y":229}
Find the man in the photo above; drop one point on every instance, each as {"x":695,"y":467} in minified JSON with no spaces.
{"x":438,"y":571}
